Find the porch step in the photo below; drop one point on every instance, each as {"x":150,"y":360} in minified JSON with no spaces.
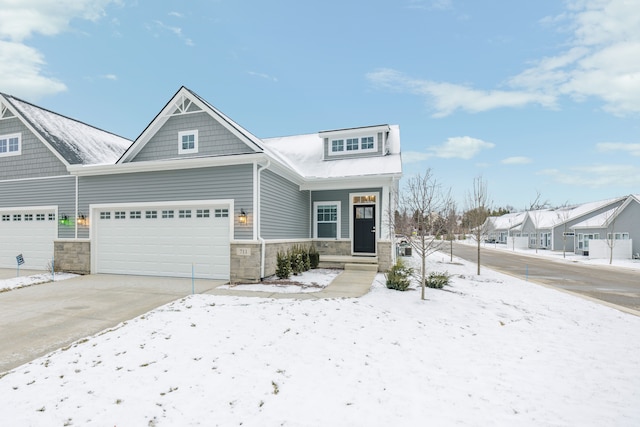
{"x":361,"y":267}
{"x":369,"y":263}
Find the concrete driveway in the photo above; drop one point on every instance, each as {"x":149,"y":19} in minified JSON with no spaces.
{"x":39,"y":319}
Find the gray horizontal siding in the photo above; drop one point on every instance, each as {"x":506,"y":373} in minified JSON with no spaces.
{"x":342,"y":196}
{"x":284,"y":209}
{"x":226,"y":182}
{"x":36,"y":159}
{"x":213,"y":139}
{"x":58,"y":192}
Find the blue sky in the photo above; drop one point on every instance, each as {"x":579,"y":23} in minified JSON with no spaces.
{"x":535,"y":97}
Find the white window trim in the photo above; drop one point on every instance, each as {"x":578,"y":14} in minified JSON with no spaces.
{"x":359,"y":148}
{"x":7,"y":138}
{"x":195,"y":142}
{"x":315,"y":219}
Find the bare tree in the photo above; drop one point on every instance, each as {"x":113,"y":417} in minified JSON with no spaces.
{"x":535,"y":211}
{"x":610,"y":223}
{"x":564,"y":213}
{"x":451,"y":224}
{"x":424,"y":201}
{"x":478,"y":208}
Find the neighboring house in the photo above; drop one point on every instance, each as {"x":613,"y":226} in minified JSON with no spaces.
{"x":198,"y":194}
{"x":553,"y":229}
{"x":614,"y":233}
{"x":501,"y":227}
{"x":37,"y":192}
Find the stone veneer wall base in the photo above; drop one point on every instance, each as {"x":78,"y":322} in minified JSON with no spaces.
{"x":72,"y":255}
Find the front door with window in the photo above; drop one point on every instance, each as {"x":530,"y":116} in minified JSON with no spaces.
{"x":364,"y":229}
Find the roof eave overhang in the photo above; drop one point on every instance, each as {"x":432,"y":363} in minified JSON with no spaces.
{"x":341,"y":183}
{"x":163,"y":165}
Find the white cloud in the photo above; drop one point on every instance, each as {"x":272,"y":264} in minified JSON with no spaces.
{"x":446,"y":98}
{"x":601,"y":60}
{"x":430,"y":4}
{"x":632,"y":149}
{"x":21,"y":72}
{"x":597,"y":176}
{"x":263,"y":76}
{"x":110,"y":77}
{"x":516,"y":160}
{"x":459,"y":147}
{"x":21,"y":66}
{"x":177,"y":31}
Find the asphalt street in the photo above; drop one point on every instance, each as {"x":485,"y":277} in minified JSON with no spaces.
{"x":617,"y":286}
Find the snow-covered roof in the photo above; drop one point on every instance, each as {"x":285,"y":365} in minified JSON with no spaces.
{"x":507,"y":221}
{"x":76,"y":142}
{"x":597,"y":221}
{"x":304,"y":154}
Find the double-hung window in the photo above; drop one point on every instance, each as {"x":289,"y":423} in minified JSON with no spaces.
{"x":337,"y":145}
{"x":11,"y":145}
{"x":327,"y":220}
{"x":188,"y":142}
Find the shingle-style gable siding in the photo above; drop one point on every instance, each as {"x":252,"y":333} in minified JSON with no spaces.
{"x":285,"y":210}
{"x":213,"y":139}
{"x":36,"y":159}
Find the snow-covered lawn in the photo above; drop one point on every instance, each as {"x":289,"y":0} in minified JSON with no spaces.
{"x":489,"y":350}
{"x":308,"y":281}
{"x":36,"y":279}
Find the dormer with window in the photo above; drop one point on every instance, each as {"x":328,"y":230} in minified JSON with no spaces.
{"x":356,"y":142}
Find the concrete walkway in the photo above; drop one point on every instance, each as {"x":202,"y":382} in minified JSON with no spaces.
{"x":348,"y":284}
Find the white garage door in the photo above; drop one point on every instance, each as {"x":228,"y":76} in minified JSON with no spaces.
{"x":29,"y":232}
{"x":162,"y":240}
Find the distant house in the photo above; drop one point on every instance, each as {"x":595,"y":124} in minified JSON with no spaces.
{"x":196,"y":192}
{"x":572,"y":228}
{"x":499,"y":228}
{"x":612,"y":233}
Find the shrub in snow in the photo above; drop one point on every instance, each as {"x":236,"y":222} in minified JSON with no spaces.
{"x":299,"y":259}
{"x":283,"y":265}
{"x":314,"y":257}
{"x":399,"y":276}
{"x":438,"y":280}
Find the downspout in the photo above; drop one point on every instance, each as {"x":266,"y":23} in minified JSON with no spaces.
{"x":259,"y":221}
{"x":75,"y":220}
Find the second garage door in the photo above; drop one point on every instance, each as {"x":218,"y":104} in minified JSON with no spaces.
{"x":162,"y":240}
{"x":29,"y":232}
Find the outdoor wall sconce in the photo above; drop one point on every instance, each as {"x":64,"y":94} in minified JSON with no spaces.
{"x":242,"y":219}
{"x":83,"y":221}
{"x":64,"y":220}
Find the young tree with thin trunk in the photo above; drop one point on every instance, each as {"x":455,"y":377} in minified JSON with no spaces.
{"x":424,"y":200}
{"x":535,"y":212}
{"x":451,"y":225}
{"x":610,"y":223}
{"x":478,"y":208}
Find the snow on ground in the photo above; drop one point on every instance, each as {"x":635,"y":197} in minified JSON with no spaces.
{"x":488,"y":350}
{"x":308,"y":281}
{"x":557,"y":255}
{"x":36,"y":279}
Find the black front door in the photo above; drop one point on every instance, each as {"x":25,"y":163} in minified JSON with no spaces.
{"x":364,"y":229}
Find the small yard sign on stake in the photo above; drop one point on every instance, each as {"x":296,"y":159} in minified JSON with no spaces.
{"x":20,"y":261}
